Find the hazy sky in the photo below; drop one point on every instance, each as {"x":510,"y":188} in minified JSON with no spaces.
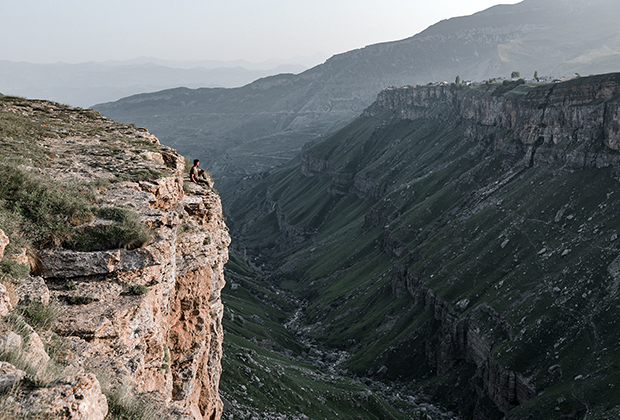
{"x":72,"y":31}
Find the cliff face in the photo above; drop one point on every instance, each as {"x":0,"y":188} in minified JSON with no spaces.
{"x":464,"y":339}
{"x":563,"y":123}
{"x":576,"y":114}
{"x":169,"y":340}
{"x":147,"y":318}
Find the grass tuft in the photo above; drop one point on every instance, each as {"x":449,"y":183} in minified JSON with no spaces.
{"x":40,"y":317}
{"x":13,"y":270}
{"x":43,"y":211}
{"x":137,"y":290}
{"x":127,"y":233}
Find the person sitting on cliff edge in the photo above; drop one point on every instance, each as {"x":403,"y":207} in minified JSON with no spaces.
{"x":199,"y":176}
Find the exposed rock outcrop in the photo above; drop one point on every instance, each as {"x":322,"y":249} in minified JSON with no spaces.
{"x":77,"y":397}
{"x":550,"y":123}
{"x":147,"y":318}
{"x":170,"y":338}
{"x":574,"y":113}
{"x":33,"y":289}
{"x":461,"y":338}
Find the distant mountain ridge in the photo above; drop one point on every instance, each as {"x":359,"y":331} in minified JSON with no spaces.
{"x":85,"y":84}
{"x":298,"y":61}
{"x":263,"y":124}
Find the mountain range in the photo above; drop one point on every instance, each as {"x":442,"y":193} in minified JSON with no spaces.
{"x":86,"y":84}
{"x":265,"y":123}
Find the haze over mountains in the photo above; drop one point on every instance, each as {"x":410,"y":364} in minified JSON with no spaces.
{"x":86,"y":84}
{"x":265,"y":123}
{"x":445,"y":251}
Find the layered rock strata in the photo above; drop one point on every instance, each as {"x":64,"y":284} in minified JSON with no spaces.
{"x":576,"y":113}
{"x":147,"y":319}
{"x":169,"y":339}
{"x":463,"y":339}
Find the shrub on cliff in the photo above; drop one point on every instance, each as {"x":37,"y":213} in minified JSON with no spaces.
{"x":36,"y":211}
{"x":125,"y":231}
{"x":43,"y":211}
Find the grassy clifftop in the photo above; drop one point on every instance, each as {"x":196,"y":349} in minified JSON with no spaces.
{"x":54,"y":160}
{"x":60,"y":168}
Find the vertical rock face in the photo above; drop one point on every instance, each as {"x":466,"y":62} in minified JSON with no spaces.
{"x":149,"y":318}
{"x":168,"y":340}
{"x":576,"y":111}
{"x":195,"y":318}
{"x":461,"y":338}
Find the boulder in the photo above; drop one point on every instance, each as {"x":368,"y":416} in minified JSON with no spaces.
{"x":9,"y":376}
{"x":33,"y":289}
{"x":30,"y":348}
{"x":34,"y":351}
{"x":10,"y":342}
{"x":77,"y":397}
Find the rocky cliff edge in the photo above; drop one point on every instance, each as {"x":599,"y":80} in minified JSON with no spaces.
{"x":146,"y":320}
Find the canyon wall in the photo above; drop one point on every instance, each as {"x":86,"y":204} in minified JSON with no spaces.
{"x":578,"y":113}
{"x":573,"y":125}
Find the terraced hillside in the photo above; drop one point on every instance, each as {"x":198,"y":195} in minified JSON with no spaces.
{"x":458,"y":242}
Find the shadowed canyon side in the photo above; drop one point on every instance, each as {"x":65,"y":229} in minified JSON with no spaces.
{"x":460,"y":243}
{"x":264,"y":124}
{"x":146,"y":320}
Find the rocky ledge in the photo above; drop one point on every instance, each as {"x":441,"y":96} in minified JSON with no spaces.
{"x":145,"y":320}
{"x":568,"y":115}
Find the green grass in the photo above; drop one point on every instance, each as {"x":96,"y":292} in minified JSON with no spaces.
{"x":13,"y":270}
{"x":258,"y":368}
{"x":40,"y":317}
{"x":45,"y":211}
{"x":38,"y":212}
{"x":128,"y":232}
{"x":124,"y":405}
{"x":272,"y":384}
{"x":137,"y":290}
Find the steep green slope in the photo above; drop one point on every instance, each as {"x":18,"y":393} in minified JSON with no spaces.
{"x":443,"y":251}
